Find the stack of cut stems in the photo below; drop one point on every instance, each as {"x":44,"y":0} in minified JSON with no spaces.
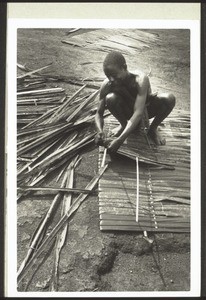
{"x":52,"y":126}
{"x":53,"y":129}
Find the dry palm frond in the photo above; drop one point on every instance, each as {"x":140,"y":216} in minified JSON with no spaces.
{"x":61,"y":237}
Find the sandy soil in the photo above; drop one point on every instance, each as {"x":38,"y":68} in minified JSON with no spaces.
{"x":92,"y":260}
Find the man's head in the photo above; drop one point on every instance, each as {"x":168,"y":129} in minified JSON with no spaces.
{"x":114,"y":66}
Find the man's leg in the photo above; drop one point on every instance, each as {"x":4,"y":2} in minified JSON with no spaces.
{"x":159,"y":108}
{"x":120,"y":109}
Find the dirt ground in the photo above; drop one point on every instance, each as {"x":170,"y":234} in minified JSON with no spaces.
{"x":92,"y":260}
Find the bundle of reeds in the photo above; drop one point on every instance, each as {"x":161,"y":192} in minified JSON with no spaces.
{"x":53,"y":129}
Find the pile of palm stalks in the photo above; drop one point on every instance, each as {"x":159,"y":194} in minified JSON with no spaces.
{"x":40,"y":240}
{"x":53,"y":129}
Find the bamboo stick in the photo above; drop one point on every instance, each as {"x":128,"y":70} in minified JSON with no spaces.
{"x":32,"y":96}
{"x":104,"y":157}
{"x":42,"y":92}
{"x":43,"y":99}
{"x":53,"y":189}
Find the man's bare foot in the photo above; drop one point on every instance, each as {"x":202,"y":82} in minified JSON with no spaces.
{"x":116,"y":131}
{"x":156,"y":137}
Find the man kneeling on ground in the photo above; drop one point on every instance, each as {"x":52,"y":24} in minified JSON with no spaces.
{"x":125,"y":95}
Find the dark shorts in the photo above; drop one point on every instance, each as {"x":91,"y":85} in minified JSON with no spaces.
{"x":154,"y":105}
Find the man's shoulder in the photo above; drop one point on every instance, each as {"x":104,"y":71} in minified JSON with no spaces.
{"x":142,"y":80}
{"x":106,"y":85}
{"x":139,"y":74}
{"x":105,"y":88}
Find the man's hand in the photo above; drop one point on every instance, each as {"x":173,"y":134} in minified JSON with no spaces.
{"x":114,"y":145}
{"x":99,"y":139}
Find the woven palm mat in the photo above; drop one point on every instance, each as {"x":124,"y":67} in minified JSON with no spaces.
{"x":163,"y":187}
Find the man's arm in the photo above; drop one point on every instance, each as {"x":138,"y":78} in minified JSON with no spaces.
{"x":99,"y":120}
{"x":137,"y":114}
{"x":99,"y":117}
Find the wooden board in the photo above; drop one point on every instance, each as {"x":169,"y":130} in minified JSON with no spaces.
{"x":164,"y":194}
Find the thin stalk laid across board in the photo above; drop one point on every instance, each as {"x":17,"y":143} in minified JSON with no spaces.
{"x":61,"y":223}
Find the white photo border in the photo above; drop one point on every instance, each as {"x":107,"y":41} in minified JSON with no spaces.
{"x":10,"y":128}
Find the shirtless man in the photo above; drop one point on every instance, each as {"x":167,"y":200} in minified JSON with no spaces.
{"x":125,"y":95}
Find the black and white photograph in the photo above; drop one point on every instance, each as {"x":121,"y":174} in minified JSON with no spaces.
{"x":105,"y":157}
